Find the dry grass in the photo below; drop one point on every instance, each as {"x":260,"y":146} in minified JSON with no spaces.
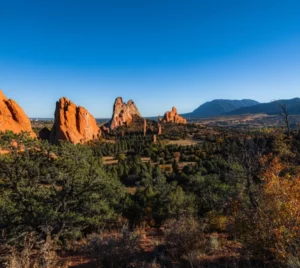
{"x":183,"y":142}
{"x":181,"y":165}
{"x":80,"y":261}
{"x":109,"y":160}
{"x":33,"y":256}
{"x":234,"y":119}
{"x":131,"y":190}
{"x":109,"y":141}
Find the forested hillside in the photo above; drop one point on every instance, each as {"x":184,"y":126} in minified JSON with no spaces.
{"x":230,"y":194}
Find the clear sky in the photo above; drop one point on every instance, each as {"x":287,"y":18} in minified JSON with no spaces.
{"x":160,"y":53}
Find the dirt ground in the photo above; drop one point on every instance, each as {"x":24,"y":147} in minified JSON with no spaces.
{"x":226,"y":255}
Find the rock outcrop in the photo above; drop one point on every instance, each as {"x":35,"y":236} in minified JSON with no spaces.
{"x":145,"y":127}
{"x":123,"y":113}
{"x":159,"y":132}
{"x":73,"y":123}
{"x":174,"y":117}
{"x":13,"y":118}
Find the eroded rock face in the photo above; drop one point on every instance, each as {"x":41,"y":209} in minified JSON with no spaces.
{"x":174,"y":117}
{"x":73,"y":123}
{"x":12,"y":117}
{"x":123,"y":113}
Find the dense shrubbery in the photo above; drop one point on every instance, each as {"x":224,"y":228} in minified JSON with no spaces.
{"x":60,"y":192}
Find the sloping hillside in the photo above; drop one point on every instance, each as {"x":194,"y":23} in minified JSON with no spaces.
{"x":293,"y":107}
{"x":219,"y":106}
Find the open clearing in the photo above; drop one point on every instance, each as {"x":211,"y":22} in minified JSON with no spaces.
{"x":183,"y":142}
{"x":109,"y":160}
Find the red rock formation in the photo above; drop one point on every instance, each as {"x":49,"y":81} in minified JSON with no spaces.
{"x":145,"y":127}
{"x":174,"y":117}
{"x":74,"y":124}
{"x":12,"y":117}
{"x":105,"y":129}
{"x":123,"y":113}
{"x":159,"y":129}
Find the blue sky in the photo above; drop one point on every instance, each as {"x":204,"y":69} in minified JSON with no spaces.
{"x":160,"y":53}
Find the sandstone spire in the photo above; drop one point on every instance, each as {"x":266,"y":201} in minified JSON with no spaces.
{"x":123,"y":113}
{"x":73,"y":123}
{"x":159,"y":132}
{"x":145,"y":127}
{"x":12,"y":117}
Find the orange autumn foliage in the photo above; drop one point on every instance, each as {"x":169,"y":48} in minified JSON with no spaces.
{"x":281,"y":209}
{"x":273,"y":229}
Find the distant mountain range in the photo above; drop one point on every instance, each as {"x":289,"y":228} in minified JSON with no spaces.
{"x":271,"y":108}
{"x":219,"y":107}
